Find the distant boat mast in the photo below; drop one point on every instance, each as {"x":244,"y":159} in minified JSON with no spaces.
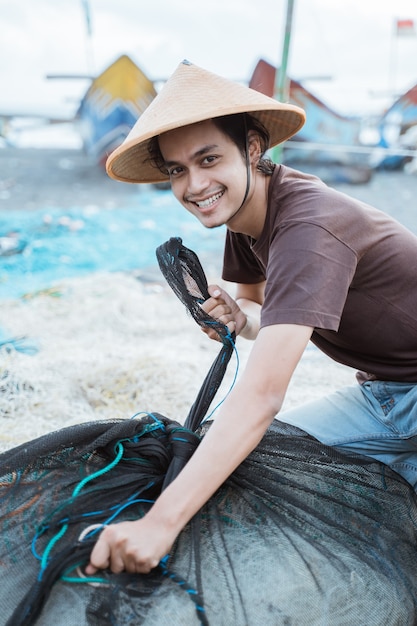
{"x":91,"y":72}
{"x":282,"y":87}
{"x":89,"y":42}
{"x":281,"y":80}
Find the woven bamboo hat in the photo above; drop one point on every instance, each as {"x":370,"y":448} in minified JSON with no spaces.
{"x":192,"y":95}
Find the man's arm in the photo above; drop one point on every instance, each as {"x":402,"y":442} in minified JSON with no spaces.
{"x":237,"y":429}
{"x":250,"y":299}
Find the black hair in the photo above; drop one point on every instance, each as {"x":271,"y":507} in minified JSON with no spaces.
{"x":235,"y":126}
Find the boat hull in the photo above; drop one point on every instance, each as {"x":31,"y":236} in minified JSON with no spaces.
{"x":111,"y":106}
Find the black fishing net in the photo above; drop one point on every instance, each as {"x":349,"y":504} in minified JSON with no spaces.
{"x":298,"y":535}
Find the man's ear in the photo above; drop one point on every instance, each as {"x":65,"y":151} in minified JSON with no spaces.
{"x":254,"y":143}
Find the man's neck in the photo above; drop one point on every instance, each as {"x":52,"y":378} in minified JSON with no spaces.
{"x":250,"y":219}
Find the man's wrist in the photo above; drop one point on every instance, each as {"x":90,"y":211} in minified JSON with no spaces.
{"x":247,"y":330}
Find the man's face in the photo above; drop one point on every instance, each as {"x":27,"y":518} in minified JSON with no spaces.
{"x":206,"y":170}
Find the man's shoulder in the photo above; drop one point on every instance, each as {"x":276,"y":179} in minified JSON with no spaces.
{"x":299,"y":194}
{"x":287,"y":175}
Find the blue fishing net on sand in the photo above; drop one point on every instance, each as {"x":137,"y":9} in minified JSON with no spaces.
{"x":300,"y":534}
{"x":41,"y":247}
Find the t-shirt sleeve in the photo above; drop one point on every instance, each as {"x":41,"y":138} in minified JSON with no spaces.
{"x":240,"y":265}
{"x":309,"y":272}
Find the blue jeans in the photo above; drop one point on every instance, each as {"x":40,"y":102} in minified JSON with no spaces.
{"x":377,"y":419}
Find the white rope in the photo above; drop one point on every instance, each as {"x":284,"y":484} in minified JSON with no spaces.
{"x":109,"y":347}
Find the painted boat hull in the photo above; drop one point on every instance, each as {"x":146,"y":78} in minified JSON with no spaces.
{"x":320,"y":141}
{"x":323,"y":125}
{"x":111,"y":106}
{"x":398,"y":127}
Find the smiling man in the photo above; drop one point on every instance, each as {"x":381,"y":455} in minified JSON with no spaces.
{"x":308,"y":263}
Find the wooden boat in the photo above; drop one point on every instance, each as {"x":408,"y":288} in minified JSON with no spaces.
{"x":398,"y":127}
{"x":403,"y":112}
{"x":111,"y":106}
{"x":323,"y":125}
{"x":324,"y":136}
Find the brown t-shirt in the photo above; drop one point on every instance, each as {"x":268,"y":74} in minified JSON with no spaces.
{"x":338,"y":265}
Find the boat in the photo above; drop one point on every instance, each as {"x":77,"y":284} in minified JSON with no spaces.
{"x":333,"y":146}
{"x":324,"y":139}
{"x":323,"y":125}
{"x":397,"y":127}
{"x":112,"y":104}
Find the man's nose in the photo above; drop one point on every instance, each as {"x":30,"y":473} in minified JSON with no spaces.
{"x":198,"y":181}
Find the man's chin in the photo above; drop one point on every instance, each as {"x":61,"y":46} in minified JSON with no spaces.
{"x":211,"y":224}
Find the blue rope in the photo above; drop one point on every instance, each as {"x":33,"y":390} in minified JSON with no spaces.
{"x":78,"y":488}
{"x":116,"y":511}
{"x":119,"y":451}
{"x":182,"y":583}
{"x":229,"y":338}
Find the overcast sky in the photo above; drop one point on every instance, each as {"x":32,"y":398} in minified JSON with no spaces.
{"x":350,"y":41}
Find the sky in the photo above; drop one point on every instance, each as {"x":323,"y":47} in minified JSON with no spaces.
{"x":350,"y":44}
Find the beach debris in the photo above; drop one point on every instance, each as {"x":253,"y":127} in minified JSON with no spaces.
{"x":52,"y":292}
{"x":20,"y":344}
{"x":11,"y":244}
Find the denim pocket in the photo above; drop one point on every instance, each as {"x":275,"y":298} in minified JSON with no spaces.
{"x":384,"y":394}
{"x":398,"y":404}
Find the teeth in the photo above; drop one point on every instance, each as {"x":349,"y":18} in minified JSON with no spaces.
{"x":205,"y":203}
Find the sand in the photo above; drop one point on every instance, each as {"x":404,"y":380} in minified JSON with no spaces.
{"x":38,"y":178}
{"x":112,"y":344}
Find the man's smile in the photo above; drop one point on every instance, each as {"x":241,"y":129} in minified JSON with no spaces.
{"x":204,"y":204}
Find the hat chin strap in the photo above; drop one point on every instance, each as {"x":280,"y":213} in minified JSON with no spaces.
{"x":245,"y":197}
{"x":247,"y":176}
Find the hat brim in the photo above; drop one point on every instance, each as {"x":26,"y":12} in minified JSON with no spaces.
{"x":173,"y":108}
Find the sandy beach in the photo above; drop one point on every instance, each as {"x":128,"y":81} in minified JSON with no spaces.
{"x":116,"y":344}
{"x":31,"y":178}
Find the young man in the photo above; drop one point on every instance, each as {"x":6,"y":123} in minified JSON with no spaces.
{"x":309,"y":264}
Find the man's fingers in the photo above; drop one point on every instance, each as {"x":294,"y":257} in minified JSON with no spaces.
{"x":100,"y":555}
{"x":214,"y":291}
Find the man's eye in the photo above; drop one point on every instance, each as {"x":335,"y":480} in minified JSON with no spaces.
{"x":210,"y":159}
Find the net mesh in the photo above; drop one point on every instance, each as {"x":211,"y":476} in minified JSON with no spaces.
{"x":299,"y":534}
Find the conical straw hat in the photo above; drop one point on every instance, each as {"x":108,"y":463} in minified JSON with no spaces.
{"x":192,"y":95}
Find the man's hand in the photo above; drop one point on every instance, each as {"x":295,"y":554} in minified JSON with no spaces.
{"x":134,"y":547}
{"x":224,"y":309}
